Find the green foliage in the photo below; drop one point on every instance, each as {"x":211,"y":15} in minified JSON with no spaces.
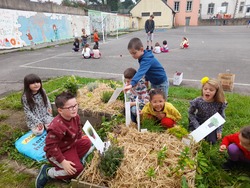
{"x":184,"y":183}
{"x":151,"y":173}
{"x":3,"y":117}
{"x":12,"y":101}
{"x":72,"y":85}
{"x":111,"y":160}
{"x":151,"y":125}
{"x":161,"y":155}
{"x":92,"y":86}
{"x":106,"y":95}
{"x":178,"y":131}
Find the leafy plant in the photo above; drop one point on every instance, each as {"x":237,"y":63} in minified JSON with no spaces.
{"x":92,"y":86}
{"x":71,"y":85}
{"x":161,"y":155}
{"x":111,"y":160}
{"x":151,"y":172}
{"x":151,"y":125}
{"x":178,"y":131}
{"x":184,"y":183}
{"x":106,"y":95}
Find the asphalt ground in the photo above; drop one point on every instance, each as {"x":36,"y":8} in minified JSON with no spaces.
{"x":213,"y":50}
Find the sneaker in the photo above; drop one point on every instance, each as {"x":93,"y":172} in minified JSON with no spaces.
{"x":42,"y":177}
{"x":229,"y":165}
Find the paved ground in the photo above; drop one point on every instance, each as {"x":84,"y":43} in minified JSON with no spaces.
{"x":213,"y":50}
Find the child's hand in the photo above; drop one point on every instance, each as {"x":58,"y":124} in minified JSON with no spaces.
{"x":223,"y":148}
{"x":50,"y":110}
{"x":219,"y":136}
{"x":160,"y":115}
{"x":126,"y":88}
{"x":68,"y":166}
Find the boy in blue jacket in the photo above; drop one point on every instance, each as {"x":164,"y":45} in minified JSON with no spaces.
{"x":149,"y":66}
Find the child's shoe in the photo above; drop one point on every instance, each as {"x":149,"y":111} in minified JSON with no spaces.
{"x":229,"y":165}
{"x":42,"y":177}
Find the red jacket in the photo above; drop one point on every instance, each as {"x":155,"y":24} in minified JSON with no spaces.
{"x":96,"y":37}
{"x":234,"y":138}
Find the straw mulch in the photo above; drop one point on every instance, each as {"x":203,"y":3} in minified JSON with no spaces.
{"x":92,"y":100}
{"x":140,"y":154}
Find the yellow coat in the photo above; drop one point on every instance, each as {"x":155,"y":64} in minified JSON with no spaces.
{"x":170,"y":111}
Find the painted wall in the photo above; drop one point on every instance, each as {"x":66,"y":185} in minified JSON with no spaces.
{"x":23,"y":28}
{"x":165,"y":20}
{"x":180,"y":17}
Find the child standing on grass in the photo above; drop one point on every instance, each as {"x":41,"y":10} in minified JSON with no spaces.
{"x":238,"y":148}
{"x":65,"y":144}
{"x":96,"y":38}
{"x":36,"y":105}
{"x":160,"y":110}
{"x":202,"y":108}
{"x":86,"y":52}
{"x":164,"y":48}
{"x":139,"y":90}
{"x":157,"y":48}
{"x":96,"y":52}
{"x":76,"y":45}
{"x":149,"y":66}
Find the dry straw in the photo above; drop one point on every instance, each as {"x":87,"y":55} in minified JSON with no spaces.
{"x":140,"y":150}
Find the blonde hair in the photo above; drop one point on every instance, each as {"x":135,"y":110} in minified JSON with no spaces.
{"x":219,"y":94}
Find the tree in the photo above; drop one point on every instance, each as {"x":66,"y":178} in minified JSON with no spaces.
{"x":127,"y":4}
{"x":113,"y":4}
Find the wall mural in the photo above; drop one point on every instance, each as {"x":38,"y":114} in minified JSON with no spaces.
{"x":23,"y":28}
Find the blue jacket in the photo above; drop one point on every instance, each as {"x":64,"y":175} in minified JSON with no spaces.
{"x":151,"y":68}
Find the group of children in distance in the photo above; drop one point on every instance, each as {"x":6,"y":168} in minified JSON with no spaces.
{"x":65,"y":145}
{"x":87,"y":53}
{"x":164,"y":48}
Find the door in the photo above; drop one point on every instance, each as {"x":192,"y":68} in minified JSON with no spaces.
{"x":187,"y":21}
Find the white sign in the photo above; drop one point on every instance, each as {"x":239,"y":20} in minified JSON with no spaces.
{"x":115,"y":95}
{"x":207,"y":127}
{"x":138,"y":114}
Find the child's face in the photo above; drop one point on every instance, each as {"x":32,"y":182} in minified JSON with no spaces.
{"x":244,"y":142}
{"x":208,"y":92}
{"x":35,"y":87}
{"x":127,"y":81}
{"x":69,"y":110}
{"x":136,"y":54}
{"x":157,"y":102}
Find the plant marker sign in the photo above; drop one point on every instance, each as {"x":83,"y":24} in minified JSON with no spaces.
{"x":138,"y":114}
{"x":206,"y":128}
{"x":94,"y":137}
{"x":127,"y":105}
{"x":115,"y":95}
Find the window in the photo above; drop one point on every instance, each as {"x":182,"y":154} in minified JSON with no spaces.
{"x":200,"y":8}
{"x":189,"y":6}
{"x":210,"y":9}
{"x":145,"y":14}
{"x":157,"y":13}
{"x":176,"y":6}
{"x":241,"y":7}
{"x":225,"y":4}
{"x":248,"y":9}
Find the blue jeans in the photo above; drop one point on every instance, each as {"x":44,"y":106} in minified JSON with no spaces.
{"x":163,"y":86}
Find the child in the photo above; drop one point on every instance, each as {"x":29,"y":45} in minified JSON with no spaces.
{"x":96,"y":38}
{"x":36,"y":104}
{"x":184,"y":43}
{"x":157,"y":48}
{"x":238,"y":148}
{"x":161,"y":110}
{"x":86,"y":52}
{"x":202,"y":108}
{"x":149,"y":66}
{"x":96,"y":52}
{"x":164,"y":48}
{"x":84,"y":38}
{"x":76,"y":45}
{"x":65,"y":144}
{"x":140,"y":90}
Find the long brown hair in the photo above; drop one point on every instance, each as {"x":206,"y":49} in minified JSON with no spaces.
{"x":31,"y":79}
{"x":219,"y":94}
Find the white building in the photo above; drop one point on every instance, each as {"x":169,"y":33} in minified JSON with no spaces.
{"x":224,"y":9}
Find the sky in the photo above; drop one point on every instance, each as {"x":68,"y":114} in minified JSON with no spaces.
{"x":59,"y":1}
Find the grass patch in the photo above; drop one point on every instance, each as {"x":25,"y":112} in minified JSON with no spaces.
{"x":3,"y":117}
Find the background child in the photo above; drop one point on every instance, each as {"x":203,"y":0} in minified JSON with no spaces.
{"x":164,"y":48}
{"x":86,"y":52}
{"x":140,"y":90}
{"x":161,"y":110}
{"x":149,"y":66}
{"x":84,"y":38}
{"x":65,"y":144}
{"x":96,"y":52}
{"x":238,"y":148}
{"x":157,"y":48}
{"x":184,"y":43}
{"x":96,"y":38}
{"x":202,"y":108}
{"x":36,"y":104}
{"x":76,"y":45}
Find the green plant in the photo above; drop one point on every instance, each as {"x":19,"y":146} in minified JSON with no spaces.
{"x":3,"y":117}
{"x":106,"y":95}
{"x":151,"y":125}
{"x":111,"y":160}
{"x":178,"y":131}
{"x":161,"y":156}
{"x":151,"y":173}
{"x":71,"y":85}
{"x":184,"y":183}
{"x":91,"y":86}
